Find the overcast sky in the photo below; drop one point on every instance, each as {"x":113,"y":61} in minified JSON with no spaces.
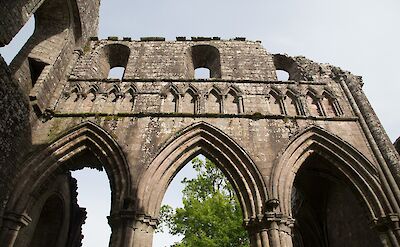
{"x":362,"y":36}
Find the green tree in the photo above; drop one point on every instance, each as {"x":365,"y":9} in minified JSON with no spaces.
{"x":211,"y":214}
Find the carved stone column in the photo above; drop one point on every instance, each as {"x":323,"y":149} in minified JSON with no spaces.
{"x":130,"y":228}
{"x":121,"y":228}
{"x":143,"y":230}
{"x":388,"y":227}
{"x":12,"y":223}
{"x":271,"y":230}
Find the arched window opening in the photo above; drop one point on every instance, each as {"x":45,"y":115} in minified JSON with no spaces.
{"x":200,"y":213}
{"x":113,"y":61}
{"x":287,"y":68}
{"x":94,"y":194}
{"x":326,"y":211}
{"x":205,"y":56}
{"x":11,"y":50}
{"x":116,"y":73}
{"x":282,"y":75}
{"x":213,"y":102}
{"x":202,"y":73}
{"x":50,"y":222}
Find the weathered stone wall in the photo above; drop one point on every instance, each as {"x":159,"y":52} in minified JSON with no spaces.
{"x":62,"y":112}
{"x":25,"y":86}
{"x":15,"y":130}
{"x":259,"y":112}
{"x":158,"y":97}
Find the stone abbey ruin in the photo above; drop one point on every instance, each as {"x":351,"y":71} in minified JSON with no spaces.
{"x":307,"y":157}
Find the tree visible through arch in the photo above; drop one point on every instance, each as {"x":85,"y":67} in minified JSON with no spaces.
{"x":234,"y":162}
{"x":211,"y":214}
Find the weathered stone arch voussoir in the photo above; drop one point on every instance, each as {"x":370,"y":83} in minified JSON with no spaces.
{"x":86,"y":137}
{"x":208,"y":140}
{"x":357,"y":170}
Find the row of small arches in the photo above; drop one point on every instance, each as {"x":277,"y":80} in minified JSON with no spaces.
{"x":229,"y":100}
{"x":310,"y":103}
{"x":114,"y":93}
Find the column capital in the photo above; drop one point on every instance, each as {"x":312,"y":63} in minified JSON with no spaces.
{"x":267,"y":219}
{"x":132,"y":216}
{"x":16,"y":220}
{"x":391,"y":221}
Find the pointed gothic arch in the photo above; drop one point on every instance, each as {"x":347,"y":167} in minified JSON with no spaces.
{"x":213,"y":100}
{"x":233,"y":100}
{"x":75,"y":93}
{"x":275,"y":104}
{"x":114,"y":93}
{"x":129,"y":98}
{"x":190,"y":100}
{"x":330,"y":104}
{"x":354,"y":167}
{"x":208,"y":140}
{"x":313,"y":102}
{"x":292,"y":103}
{"x":170,"y":96}
{"x":59,"y":156}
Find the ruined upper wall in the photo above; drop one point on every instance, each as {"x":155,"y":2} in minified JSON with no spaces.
{"x":243,"y":60}
{"x":154,"y":58}
{"x":159,"y":78}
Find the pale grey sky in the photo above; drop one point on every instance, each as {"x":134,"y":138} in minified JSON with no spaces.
{"x":361,"y":36}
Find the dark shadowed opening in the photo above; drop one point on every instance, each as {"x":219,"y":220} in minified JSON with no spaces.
{"x":36,"y":67}
{"x":113,"y":60}
{"x":206,"y":56}
{"x":289,"y":65}
{"x":326,"y":210}
{"x":49,"y":225}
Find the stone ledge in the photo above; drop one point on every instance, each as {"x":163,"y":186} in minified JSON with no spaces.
{"x":255,"y":116}
{"x":193,"y":80}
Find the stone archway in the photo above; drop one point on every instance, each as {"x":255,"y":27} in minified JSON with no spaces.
{"x":85,"y":139}
{"x":355,"y":171}
{"x":235,"y":163}
{"x":50,"y":222}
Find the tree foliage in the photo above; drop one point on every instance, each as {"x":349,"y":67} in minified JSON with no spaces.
{"x":211,"y":213}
